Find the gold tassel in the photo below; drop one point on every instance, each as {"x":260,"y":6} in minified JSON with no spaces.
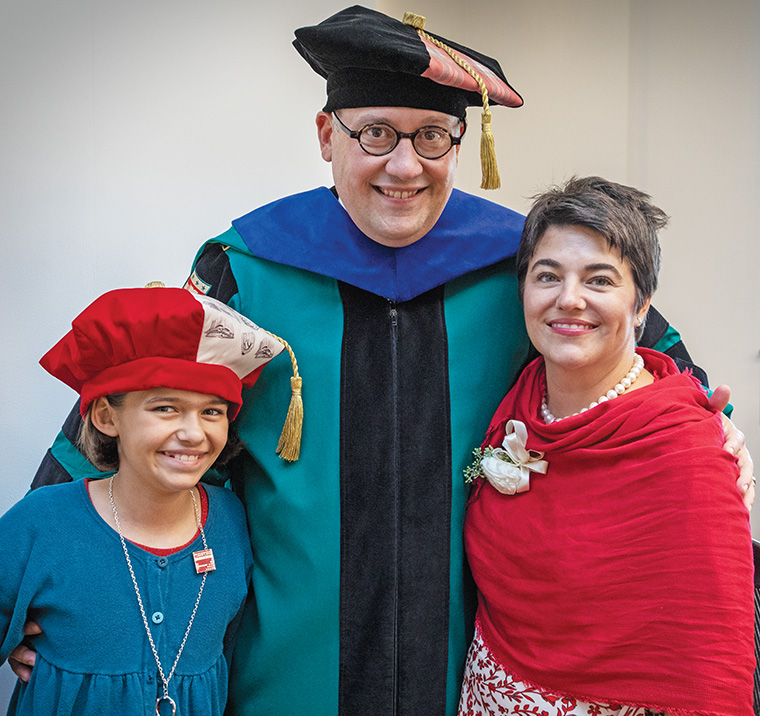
{"x":289,"y":445}
{"x":489,"y":168}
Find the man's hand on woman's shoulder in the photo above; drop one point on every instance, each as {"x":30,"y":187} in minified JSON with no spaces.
{"x":734,"y":443}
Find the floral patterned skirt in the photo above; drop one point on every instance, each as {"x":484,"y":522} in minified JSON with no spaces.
{"x":488,"y":690}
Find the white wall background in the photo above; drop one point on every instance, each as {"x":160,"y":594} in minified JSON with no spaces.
{"x":131,"y":132}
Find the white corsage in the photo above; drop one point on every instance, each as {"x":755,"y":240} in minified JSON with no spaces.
{"x":508,"y":468}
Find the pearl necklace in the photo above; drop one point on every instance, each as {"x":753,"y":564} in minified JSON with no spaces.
{"x":164,"y":679}
{"x":619,"y":389}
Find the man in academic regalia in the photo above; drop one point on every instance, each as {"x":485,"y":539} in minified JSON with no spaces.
{"x":398,"y":296}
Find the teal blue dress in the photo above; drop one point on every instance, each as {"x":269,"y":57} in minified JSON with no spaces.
{"x":64,"y":567}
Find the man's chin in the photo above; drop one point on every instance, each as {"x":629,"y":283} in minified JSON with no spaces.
{"x":396,"y":240}
{"x":397,"y":232}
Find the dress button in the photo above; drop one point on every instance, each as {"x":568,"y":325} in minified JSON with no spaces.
{"x":157,"y":617}
{"x":162,"y":561}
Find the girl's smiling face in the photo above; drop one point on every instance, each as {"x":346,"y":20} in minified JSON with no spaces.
{"x":580,"y":303}
{"x":167,"y":438}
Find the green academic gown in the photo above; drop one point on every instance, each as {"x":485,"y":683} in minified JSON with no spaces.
{"x":362,"y":602}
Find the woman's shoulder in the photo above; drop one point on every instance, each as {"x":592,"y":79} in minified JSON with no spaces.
{"x":521,"y":401}
{"x":675,"y":387}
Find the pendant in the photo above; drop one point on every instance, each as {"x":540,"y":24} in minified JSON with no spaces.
{"x":204,"y":561}
{"x":170,"y":700}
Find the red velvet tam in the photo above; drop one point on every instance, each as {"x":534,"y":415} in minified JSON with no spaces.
{"x":135,"y":339}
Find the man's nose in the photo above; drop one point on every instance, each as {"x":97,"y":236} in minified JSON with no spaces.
{"x":404,"y":162}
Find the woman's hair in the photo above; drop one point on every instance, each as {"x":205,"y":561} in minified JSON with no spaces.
{"x":103,"y":450}
{"x":624,"y":216}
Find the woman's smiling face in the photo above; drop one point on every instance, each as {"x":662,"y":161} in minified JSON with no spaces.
{"x":580,"y":302}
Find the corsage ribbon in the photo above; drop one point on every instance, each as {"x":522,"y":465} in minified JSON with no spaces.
{"x":508,"y":468}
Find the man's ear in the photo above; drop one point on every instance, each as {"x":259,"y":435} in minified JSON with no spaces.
{"x":324,"y":133}
{"x":462,"y":128}
{"x":102,"y":417}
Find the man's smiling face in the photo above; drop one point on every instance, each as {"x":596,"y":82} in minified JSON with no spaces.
{"x":395,"y":199}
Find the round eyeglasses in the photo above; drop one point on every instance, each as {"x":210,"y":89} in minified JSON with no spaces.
{"x":379,"y":138}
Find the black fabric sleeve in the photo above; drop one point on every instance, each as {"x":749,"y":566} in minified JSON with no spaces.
{"x":213,"y":268}
{"x":655,"y":330}
{"x":50,"y":471}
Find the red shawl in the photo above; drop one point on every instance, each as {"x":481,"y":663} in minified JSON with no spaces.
{"x":624,"y":575}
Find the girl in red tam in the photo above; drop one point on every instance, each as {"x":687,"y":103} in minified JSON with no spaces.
{"x":137,"y":580}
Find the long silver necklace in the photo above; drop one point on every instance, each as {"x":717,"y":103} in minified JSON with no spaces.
{"x":164,"y":679}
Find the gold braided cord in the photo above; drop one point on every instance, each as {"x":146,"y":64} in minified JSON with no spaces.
{"x":288,"y":349}
{"x":289,"y":445}
{"x":462,"y":63}
{"x":490,"y":170}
